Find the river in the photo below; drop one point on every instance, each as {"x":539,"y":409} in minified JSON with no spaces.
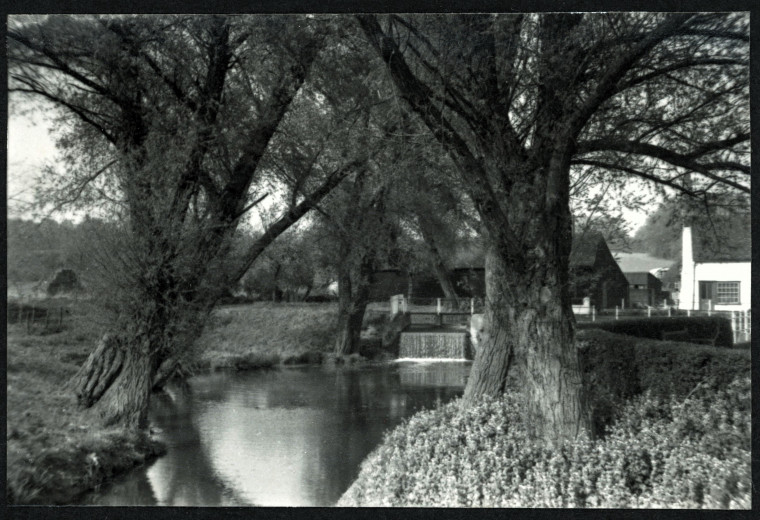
{"x":285,"y":437}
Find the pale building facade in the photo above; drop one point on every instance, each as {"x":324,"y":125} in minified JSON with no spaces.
{"x":713,"y":282}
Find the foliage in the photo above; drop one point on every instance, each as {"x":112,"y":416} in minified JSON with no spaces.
{"x":663,"y":452}
{"x":722,"y":221}
{"x":617,"y":367}
{"x":286,"y":268}
{"x":521,"y":103}
{"x":692,"y":327}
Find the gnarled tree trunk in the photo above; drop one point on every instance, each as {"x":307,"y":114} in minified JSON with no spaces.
{"x":529,"y":327}
{"x":116,"y":381}
{"x":353,"y":296}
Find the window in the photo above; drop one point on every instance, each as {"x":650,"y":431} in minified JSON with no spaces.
{"x":727,"y":292}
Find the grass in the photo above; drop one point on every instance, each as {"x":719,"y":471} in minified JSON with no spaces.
{"x":263,"y":335}
{"x":54,"y":452}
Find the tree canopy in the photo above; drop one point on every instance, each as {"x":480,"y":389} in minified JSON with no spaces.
{"x":181,"y":124}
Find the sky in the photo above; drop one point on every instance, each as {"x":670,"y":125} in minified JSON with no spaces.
{"x":31,"y":146}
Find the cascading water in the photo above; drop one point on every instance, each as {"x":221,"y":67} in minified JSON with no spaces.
{"x":436,"y":345}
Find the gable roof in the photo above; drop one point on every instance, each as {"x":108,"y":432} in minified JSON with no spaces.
{"x":639,"y":262}
{"x":584,"y":249}
{"x":734,"y":245}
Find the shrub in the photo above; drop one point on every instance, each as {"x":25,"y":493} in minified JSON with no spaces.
{"x":616,"y":367}
{"x":693,"y":327}
{"x":65,"y":280}
{"x":662,"y":452}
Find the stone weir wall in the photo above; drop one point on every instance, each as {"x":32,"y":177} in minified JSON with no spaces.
{"x":436,"y":345}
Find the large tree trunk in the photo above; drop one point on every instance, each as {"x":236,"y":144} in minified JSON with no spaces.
{"x":529,"y":326}
{"x":116,"y":381}
{"x":353,"y":296}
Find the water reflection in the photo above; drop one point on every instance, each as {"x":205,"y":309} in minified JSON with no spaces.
{"x":291,"y":437}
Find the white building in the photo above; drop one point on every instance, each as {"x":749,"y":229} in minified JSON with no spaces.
{"x":720,"y":281}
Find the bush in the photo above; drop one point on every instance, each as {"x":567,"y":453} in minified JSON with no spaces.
{"x":617,"y":367}
{"x":662,"y":452}
{"x":692,"y":327}
{"x":65,"y":280}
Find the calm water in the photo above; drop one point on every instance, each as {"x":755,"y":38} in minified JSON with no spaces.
{"x":289,"y":437}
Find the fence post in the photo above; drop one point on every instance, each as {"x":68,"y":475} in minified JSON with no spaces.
{"x":649,"y":311}
{"x":438,"y":306}
{"x":734,"y":325}
{"x":593,"y":313}
{"x":622,"y":303}
{"x":472,"y":306}
{"x":668,"y":312}
{"x":616,"y":311}
{"x":709,"y":308}
{"x":28,"y":322}
{"x":688,"y":312}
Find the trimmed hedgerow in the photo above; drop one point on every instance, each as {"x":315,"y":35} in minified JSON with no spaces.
{"x":694,"y":327}
{"x":691,"y":452}
{"x":617,"y":367}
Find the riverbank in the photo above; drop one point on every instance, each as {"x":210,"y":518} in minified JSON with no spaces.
{"x":55,"y":453}
{"x":263,"y":335}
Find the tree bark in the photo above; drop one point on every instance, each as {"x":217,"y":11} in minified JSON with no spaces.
{"x":529,"y":328}
{"x":116,"y":381}
{"x":353,"y":296}
{"x":436,"y":259}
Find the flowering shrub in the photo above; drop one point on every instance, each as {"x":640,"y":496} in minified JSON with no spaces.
{"x":691,"y":452}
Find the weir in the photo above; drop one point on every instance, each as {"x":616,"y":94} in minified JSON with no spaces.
{"x":434,"y":344}
{"x":434,"y":328}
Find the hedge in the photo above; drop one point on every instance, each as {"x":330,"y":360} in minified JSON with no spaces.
{"x":617,"y":367}
{"x":694,"y":327}
{"x":669,"y":452}
{"x":675,"y":421}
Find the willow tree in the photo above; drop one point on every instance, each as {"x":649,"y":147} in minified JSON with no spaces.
{"x":518,"y":101}
{"x":167,"y":119}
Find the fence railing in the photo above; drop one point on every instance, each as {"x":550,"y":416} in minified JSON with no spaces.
{"x":400,"y":303}
{"x":741,"y":321}
{"x":35,"y":315}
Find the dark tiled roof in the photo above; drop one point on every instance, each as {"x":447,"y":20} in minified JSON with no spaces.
{"x":585,"y":247}
{"x":733,"y":245}
{"x":582,"y":253}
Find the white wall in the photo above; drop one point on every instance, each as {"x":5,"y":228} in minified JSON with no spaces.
{"x":727,"y":272}
{"x":692,"y":273}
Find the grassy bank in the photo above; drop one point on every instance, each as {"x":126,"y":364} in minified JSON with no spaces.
{"x":262,"y":335}
{"x":55,"y":452}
